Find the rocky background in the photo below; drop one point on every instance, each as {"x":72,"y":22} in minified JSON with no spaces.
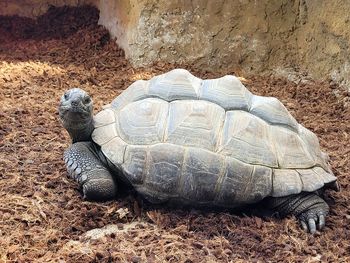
{"x":295,"y":39}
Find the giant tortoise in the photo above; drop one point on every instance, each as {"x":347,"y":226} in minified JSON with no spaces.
{"x":206,"y":143}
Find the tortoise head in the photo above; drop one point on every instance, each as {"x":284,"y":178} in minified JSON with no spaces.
{"x":75,"y":111}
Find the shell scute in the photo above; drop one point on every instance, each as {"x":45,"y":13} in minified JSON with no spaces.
{"x":194,"y":123}
{"x":114,"y":150}
{"x":104,"y":118}
{"x":291,"y":150}
{"x":104,"y":134}
{"x":273,"y":111}
{"x":165,"y":164}
{"x":174,"y":85}
{"x":136,"y":91}
{"x":286,"y":182}
{"x":143,"y":122}
{"x":245,"y":137}
{"x":227,"y":91}
{"x":244,"y":183}
{"x":135,"y":163}
{"x":200,"y":175}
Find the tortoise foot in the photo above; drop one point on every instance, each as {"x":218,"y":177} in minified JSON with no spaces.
{"x":314,"y":217}
{"x":309,"y":208}
{"x":93,"y":177}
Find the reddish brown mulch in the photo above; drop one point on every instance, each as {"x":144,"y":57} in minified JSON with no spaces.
{"x":43,"y":217}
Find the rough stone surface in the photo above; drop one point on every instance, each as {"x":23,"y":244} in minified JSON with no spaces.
{"x":323,"y":39}
{"x":278,"y":36}
{"x":207,"y":33}
{"x":251,"y":36}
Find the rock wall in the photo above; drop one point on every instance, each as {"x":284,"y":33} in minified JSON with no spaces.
{"x":253,"y":36}
{"x":323,"y":39}
{"x":208,"y":33}
{"x":281,"y":36}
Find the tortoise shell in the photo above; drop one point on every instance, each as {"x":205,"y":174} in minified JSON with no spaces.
{"x":178,"y":137}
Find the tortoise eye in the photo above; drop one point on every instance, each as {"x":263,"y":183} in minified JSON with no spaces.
{"x":87,"y":100}
{"x":66,"y":95}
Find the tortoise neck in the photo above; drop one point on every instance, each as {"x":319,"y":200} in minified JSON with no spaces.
{"x":82,"y":133}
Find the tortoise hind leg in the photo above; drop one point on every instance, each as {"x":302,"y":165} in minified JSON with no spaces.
{"x":310,"y":209}
{"x":84,"y":166}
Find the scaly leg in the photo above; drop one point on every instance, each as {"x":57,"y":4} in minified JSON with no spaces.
{"x":310,"y":208}
{"x":84,"y":166}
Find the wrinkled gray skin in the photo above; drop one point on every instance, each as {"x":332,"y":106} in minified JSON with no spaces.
{"x":97,"y":176}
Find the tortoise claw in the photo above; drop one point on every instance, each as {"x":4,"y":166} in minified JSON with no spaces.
{"x":321,"y":222}
{"x":310,"y":222}
{"x":312,"y":225}
{"x":303,"y":225}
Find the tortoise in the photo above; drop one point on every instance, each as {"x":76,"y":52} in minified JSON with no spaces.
{"x":206,"y":143}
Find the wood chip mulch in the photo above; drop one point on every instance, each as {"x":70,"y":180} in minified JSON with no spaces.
{"x":42,"y":215}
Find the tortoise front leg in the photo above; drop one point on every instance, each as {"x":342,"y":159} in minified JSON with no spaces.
{"x":310,"y":208}
{"x":84,"y":166}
